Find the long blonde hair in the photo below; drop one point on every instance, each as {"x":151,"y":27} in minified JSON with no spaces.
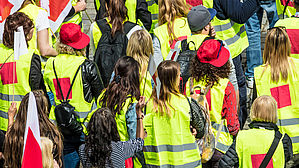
{"x":264,"y":109}
{"x":169,"y":10}
{"x":140,"y":47}
{"x":276,"y":53}
{"x":168,"y":73}
{"x":47,"y":146}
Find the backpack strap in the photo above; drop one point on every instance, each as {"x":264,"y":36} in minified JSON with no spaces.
{"x":272,"y":149}
{"x":103,"y":25}
{"x":128,"y":26}
{"x":184,"y":45}
{"x":58,"y":83}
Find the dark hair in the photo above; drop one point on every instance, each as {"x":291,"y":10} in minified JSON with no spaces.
{"x":102,"y":129}
{"x":125,"y":83}
{"x":207,"y":72}
{"x":296,"y":4}
{"x":118,"y":12}
{"x":12,"y":23}
{"x":13,"y":145}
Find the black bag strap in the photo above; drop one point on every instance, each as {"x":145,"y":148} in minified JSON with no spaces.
{"x":128,"y":26}
{"x":184,"y":45}
{"x":103,"y":25}
{"x":272,"y":149}
{"x":59,"y":86}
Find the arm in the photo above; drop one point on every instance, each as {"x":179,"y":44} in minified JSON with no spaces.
{"x":229,"y":110}
{"x":157,"y":50}
{"x":236,"y":10}
{"x":197,"y":119}
{"x":80,"y":6}
{"x":230,"y":159}
{"x":43,"y":44}
{"x":287,"y":146}
{"x":143,"y":14}
{"x":140,"y":105}
{"x":131,"y":121}
{"x":11,"y":114}
{"x":36,"y":80}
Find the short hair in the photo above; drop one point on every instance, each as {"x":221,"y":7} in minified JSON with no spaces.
{"x":264,"y":109}
{"x":296,"y":5}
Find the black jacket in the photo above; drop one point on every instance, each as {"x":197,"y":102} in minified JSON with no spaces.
{"x":36,"y":81}
{"x":142,"y":12}
{"x":230,"y":159}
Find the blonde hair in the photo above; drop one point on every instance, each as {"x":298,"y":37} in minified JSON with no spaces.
{"x":140,"y":47}
{"x":169,"y":10}
{"x":276,"y":53}
{"x":47,"y":155}
{"x":66,"y":49}
{"x":264,"y":109}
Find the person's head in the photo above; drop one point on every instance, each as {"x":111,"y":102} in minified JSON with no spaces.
{"x":296,"y":5}
{"x":72,"y":40}
{"x":276,"y":52}
{"x":102,"y":129}
{"x":169,"y":76}
{"x":211,"y":62}
{"x":11,"y":25}
{"x":199,"y":19}
{"x":169,"y":10}
{"x":117,"y":12}
{"x":126,"y":82}
{"x":264,"y":109}
{"x":140,"y":47}
{"x":47,"y":155}
{"x":14,"y":142}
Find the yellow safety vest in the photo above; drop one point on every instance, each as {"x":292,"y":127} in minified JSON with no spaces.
{"x":32,"y":12}
{"x":252,"y":146}
{"x":290,"y":10}
{"x":169,"y":142}
{"x":232,"y":33}
{"x":217,"y":96}
{"x":286,"y":95}
{"x":181,"y":30}
{"x":20,"y":84}
{"x":96,"y":34}
{"x":197,"y":39}
{"x":153,"y":7}
{"x":66,"y":66}
{"x":292,"y":28}
{"x":146,"y":86}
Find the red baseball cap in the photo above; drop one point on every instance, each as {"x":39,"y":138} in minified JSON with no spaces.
{"x":71,"y":34}
{"x":213,"y":52}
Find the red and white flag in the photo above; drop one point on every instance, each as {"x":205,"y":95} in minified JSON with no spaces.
{"x":152,"y":68}
{"x":32,"y":151}
{"x":57,"y":11}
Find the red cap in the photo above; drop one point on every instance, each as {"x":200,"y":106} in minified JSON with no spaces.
{"x":213,"y":52}
{"x":71,"y":34}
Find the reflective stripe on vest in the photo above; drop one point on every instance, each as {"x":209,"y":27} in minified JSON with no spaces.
{"x":19,"y":81}
{"x":153,"y":7}
{"x":169,"y":142}
{"x":290,"y":10}
{"x":286,"y":95}
{"x":66,"y":66}
{"x":232,"y":33}
{"x":181,"y":30}
{"x":217,"y":93}
{"x":252,"y":146}
{"x":292,"y":28}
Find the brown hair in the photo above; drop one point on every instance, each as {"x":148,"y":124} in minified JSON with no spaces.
{"x":264,"y":109}
{"x":207,"y":72}
{"x":66,"y":49}
{"x":169,"y":10}
{"x":118,"y":13}
{"x":14,"y":141}
{"x":140,"y":47}
{"x":168,"y":73}
{"x":276,"y":53}
{"x":12,"y":23}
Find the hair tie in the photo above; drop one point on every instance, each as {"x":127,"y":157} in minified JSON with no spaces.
{"x":117,"y":79}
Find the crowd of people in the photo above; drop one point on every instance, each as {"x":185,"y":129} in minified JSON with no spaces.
{"x":155,"y":83}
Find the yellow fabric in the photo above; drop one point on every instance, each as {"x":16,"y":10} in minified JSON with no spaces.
{"x":217,"y":98}
{"x":153,"y":7}
{"x":197,"y":39}
{"x":232,"y":33}
{"x":96,"y":34}
{"x":147,"y":88}
{"x":131,"y":6}
{"x":290,"y":11}
{"x":288,"y":116}
{"x":290,"y":23}
{"x":21,"y":85}
{"x":169,"y":141}
{"x":255,"y":142}
{"x":181,"y":28}
{"x":66,"y":67}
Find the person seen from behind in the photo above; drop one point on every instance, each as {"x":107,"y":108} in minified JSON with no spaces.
{"x":251,"y":146}
{"x":209,"y":71}
{"x":278,"y":77}
{"x":47,"y":155}
{"x":14,"y":139}
{"x":168,"y":119}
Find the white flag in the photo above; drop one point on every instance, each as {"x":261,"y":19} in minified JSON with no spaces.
{"x":20,"y":45}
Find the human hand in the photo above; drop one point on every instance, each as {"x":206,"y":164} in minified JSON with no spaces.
{"x":12,"y":110}
{"x":80,"y":6}
{"x":139,"y":106}
{"x":193,"y":131}
{"x":212,"y":32}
